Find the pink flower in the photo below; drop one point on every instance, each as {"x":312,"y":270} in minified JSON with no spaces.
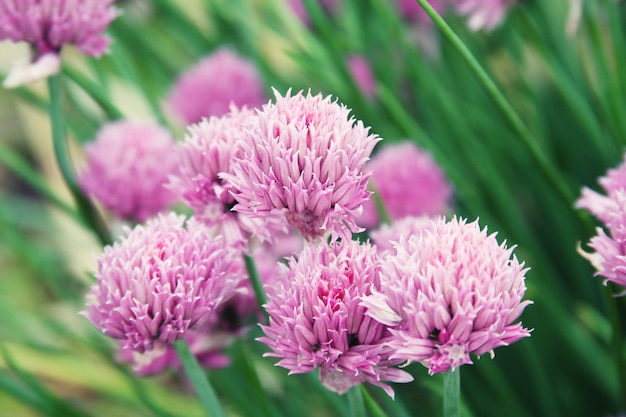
{"x":609,"y":258}
{"x":127,"y":167}
{"x":483,"y":14}
{"x":362,"y":74}
{"x":412,"y":10}
{"x":603,"y":206}
{"x":385,"y":237}
{"x":207,"y":151}
{"x":316,"y":320}
{"x":160,"y":280}
{"x":47,"y":25}
{"x":213,"y":84}
{"x":408,"y":181}
{"x":303,"y":157}
{"x":450,"y":291}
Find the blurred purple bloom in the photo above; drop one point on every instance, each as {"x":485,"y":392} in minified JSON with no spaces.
{"x":316,"y":320}
{"x":47,"y":25}
{"x":603,"y":206}
{"x":411,"y":10}
{"x":483,"y":14}
{"x":362,"y":74}
{"x":210,"y":87}
{"x":127,"y":167}
{"x":303,"y":157}
{"x":386,"y":236}
{"x":160,"y":280}
{"x":450,"y":291}
{"x":409,"y":183}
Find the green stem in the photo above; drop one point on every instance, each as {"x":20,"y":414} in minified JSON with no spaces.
{"x":452,"y":393}
{"x":371,"y":404}
{"x":355,"y":402}
{"x":503,"y":105}
{"x":198,"y":379}
{"x":255,"y":281}
{"x":84,"y":206}
{"x":617,"y":341}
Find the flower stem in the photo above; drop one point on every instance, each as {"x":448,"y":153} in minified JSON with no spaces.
{"x":452,"y":393}
{"x":84,"y":206}
{"x":503,"y":105}
{"x":371,"y":404}
{"x":198,"y":379}
{"x":355,"y":401}
{"x":255,"y":281}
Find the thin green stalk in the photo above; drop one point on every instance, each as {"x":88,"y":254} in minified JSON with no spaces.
{"x":503,"y":105}
{"x":371,"y":404}
{"x":96,"y":92}
{"x":617,"y":341}
{"x":199,"y":380}
{"x":452,"y":393}
{"x":355,"y":402}
{"x":85,"y":208}
{"x":255,"y":281}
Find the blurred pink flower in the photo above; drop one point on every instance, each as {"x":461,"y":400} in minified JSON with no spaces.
{"x":316,"y":320}
{"x":47,"y":25}
{"x":450,"y":291}
{"x":602,"y":206}
{"x":408,"y":181}
{"x":386,"y":235}
{"x":207,"y":151}
{"x":303,"y":157}
{"x":362,"y":74}
{"x":160,"y":280}
{"x":127,"y":167}
{"x":411,"y":10}
{"x":211,"y":86}
{"x":483,"y":14}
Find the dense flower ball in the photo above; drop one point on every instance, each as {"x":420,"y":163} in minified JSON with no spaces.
{"x":409,"y":183}
{"x":211,"y":86}
{"x":47,"y":25}
{"x":160,"y":280}
{"x":127,"y":167}
{"x":483,"y":14}
{"x":316,"y":320}
{"x":609,"y":258}
{"x":304,"y":157}
{"x":450,"y":291}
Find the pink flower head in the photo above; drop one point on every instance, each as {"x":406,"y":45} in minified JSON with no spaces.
{"x":160,"y":280}
{"x":603,"y":206}
{"x":47,"y":25}
{"x":447,"y":292}
{"x":411,"y":10}
{"x":303,"y":157}
{"x":386,"y":236}
{"x":213,"y":84}
{"x":127,"y":168}
{"x":609,"y":258}
{"x":408,"y":181}
{"x":362,"y":74}
{"x":207,"y":151}
{"x":483,"y":14}
{"x":316,"y":320}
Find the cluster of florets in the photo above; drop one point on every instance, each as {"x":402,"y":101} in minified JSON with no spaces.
{"x":427,"y":290}
{"x":609,"y":258}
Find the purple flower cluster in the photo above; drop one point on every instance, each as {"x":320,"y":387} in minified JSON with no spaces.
{"x":609,"y":258}
{"x":127,"y":167}
{"x":303,"y":157}
{"x":160,"y":280}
